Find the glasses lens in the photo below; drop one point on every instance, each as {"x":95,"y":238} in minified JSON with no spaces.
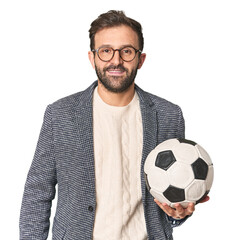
{"x":105,"y":53}
{"x":127,"y":53}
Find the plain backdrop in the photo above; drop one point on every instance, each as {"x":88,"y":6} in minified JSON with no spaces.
{"x":43,"y":57}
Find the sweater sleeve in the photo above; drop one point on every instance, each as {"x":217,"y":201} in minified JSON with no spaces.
{"x":40,"y":186}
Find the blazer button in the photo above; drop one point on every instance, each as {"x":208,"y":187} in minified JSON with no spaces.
{"x":90,"y":208}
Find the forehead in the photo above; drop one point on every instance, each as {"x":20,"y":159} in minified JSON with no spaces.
{"x":116,"y":37}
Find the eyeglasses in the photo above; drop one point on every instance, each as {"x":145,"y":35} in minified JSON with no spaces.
{"x":106,"y":54}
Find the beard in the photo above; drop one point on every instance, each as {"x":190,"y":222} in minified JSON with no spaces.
{"x":116,"y":84}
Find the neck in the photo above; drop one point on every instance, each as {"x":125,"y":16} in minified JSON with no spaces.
{"x":116,"y":99}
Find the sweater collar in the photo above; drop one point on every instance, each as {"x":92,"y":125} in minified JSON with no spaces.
{"x":87,"y":96}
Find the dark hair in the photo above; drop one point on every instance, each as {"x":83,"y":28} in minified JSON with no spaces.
{"x":112,"y":19}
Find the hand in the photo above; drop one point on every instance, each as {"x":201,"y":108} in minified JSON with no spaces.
{"x":205,"y":199}
{"x":179,"y":212}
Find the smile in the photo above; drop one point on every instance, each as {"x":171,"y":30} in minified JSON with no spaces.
{"x":116,"y":72}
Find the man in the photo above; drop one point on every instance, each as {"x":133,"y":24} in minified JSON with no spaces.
{"x":93,"y":144}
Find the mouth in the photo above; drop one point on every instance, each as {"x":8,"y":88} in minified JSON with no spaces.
{"x":115,"y":72}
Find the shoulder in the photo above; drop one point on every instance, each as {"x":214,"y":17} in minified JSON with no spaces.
{"x":168,"y":115}
{"x":160,"y":104}
{"x":68,"y":101}
{"x":75,"y":100}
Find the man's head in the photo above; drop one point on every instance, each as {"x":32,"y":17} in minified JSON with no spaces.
{"x":116,"y":46}
{"x":114,"y":19}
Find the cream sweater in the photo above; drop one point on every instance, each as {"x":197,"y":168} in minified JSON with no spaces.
{"x":118,"y":139}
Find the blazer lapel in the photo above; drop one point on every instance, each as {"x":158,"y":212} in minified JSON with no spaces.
{"x":84,"y":122}
{"x":150,"y":133}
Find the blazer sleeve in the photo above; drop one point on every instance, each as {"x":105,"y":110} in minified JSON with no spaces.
{"x":40,"y":186}
{"x":181,"y":124}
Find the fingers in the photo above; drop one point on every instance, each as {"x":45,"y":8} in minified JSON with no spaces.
{"x":168,"y":210}
{"x":190,"y":209}
{"x":178,"y":212}
{"x":160,"y":205}
{"x":205,"y":199}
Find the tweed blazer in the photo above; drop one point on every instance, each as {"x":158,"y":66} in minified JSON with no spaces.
{"x":64,"y":157}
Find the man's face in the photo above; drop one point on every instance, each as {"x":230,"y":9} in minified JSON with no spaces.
{"x":116,"y":75}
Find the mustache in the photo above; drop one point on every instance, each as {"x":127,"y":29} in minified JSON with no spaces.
{"x":113,"y":67}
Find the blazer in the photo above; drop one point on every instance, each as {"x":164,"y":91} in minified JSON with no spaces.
{"x":64,"y":157}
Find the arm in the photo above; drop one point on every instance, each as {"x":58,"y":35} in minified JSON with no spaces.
{"x":40,"y":186}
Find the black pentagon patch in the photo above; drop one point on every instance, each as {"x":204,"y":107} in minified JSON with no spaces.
{"x":182,"y":140}
{"x":200,"y":169}
{"x":147,"y":184}
{"x":174,"y":194}
{"x":165,"y":159}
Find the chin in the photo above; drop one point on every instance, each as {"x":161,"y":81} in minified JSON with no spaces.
{"x":117,"y":88}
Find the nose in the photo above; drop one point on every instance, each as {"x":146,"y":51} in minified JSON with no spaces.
{"x":116,"y":59}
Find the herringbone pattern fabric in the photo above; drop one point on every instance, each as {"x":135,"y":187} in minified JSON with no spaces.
{"x":64,"y":156}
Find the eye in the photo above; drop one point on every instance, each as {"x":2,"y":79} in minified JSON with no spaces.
{"x":105,"y":50}
{"x":127,"y":51}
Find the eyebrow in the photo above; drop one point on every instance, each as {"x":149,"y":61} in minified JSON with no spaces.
{"x":122,"y":46}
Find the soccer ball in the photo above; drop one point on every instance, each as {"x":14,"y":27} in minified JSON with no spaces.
{"x":178,"y":171}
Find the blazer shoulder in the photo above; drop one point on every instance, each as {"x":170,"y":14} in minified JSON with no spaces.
{"x":161,"y":104}
{"x":169,"y":117}
{"x":74,"y":100}
{"x":68,"y":101}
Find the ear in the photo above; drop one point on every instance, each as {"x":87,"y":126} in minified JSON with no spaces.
{"x":141,"y":60}
{"x":91,"y":58}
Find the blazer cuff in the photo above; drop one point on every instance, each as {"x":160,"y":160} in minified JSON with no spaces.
{"x":176,"y":222}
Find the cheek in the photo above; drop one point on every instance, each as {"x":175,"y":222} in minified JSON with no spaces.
{"x":101,"y":65}
{"x":133,"y":67}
